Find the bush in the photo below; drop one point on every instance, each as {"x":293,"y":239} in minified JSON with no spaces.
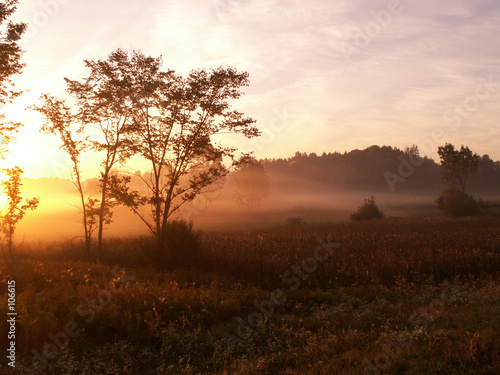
{"x":458,"y":203}
{"x":367,"y":211}
{"x":179,"y":244}
{"x":295,"y":221}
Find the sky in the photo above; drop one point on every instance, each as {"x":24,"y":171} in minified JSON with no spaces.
{"x":325,"y":75}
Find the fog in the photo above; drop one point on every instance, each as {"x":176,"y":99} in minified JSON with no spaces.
{"x":314,"y":189}
{"x":58,"y":216}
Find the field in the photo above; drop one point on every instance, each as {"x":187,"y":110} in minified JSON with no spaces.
{"x":398,"y":295}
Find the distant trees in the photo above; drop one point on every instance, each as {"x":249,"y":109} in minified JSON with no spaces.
{"x":366,"y":170}
{"x":16,"y":209}
{"x":457,"y":164}
{"x":251,"y":184}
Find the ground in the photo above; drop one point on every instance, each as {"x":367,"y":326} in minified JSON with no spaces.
{"x":391,"y":296}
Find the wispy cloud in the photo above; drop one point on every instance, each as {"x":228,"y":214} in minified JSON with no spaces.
{"x":422,"y":61}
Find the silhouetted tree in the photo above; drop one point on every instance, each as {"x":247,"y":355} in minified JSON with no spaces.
{"x":60,"y":121}
{"x":457,"y":164}
{"x":10,"y":64}
{"x":15,"y":209}
{"x":175,"y":122}
{"x":104,"y":104}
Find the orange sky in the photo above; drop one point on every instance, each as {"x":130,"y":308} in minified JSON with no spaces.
{"x":325,"y":76}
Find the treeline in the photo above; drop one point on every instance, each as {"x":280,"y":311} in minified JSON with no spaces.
{"x":376,"y":169}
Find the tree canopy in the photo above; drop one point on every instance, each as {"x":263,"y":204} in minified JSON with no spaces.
{"x":169,"y":120}
{"x":10,"y":64}
{"x":457,"y":164}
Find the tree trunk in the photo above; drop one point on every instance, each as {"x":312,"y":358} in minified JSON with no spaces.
{"x":101,"y":215}
{"x":82,"y":198}
{"x":10,"y":240}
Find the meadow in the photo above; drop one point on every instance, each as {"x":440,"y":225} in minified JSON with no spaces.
{"x":414,"y":295}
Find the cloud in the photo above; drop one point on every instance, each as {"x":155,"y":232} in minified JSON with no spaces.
{"x":417,"y":64}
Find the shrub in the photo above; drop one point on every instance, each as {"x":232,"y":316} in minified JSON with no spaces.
{"x":458,"y":203}
{"x":367,"y":211}
{"x":295,"y":221}
{"x":179,"y":244}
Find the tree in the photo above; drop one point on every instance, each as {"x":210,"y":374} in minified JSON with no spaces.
{"x":457,"y":164}
{"x":15,"y":209}
{"x":251,"y":184}
{"x":59,"y":121}
{"x":176,"y":120}
{"x":105,"y":101}
{"x":10,"y":64}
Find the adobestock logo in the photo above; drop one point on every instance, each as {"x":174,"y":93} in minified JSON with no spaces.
{"x":363,"y":37}
{"x":462,"y":110}
{"x":48,"y":9}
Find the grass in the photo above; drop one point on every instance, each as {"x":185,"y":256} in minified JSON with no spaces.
{"x":414,"y":296}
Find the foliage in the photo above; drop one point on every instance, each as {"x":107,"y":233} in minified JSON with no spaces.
{"x":379,"y":251}
{"x":458,"y":203}
{"x":457,"y":164}
{"x":369,"y":210}
{"x":364,"y":170}
{"x":10,"y":64}
{"x":175,"y":120}
{"x":105,"y":103}
{"x":179,"y":244}
{"x":388,"y":284}
{"x":59,"y":121}
{"x":251,"y":184}
{"x":15,"y":209}
{"x":295,"y":221}
{"x":137,"y":109}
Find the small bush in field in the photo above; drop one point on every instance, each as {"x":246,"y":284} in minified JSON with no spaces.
{"x":179,"y":244}
{"x":458,"y":203}
{"x":367,"y":211}
{"x":295,"y":221}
